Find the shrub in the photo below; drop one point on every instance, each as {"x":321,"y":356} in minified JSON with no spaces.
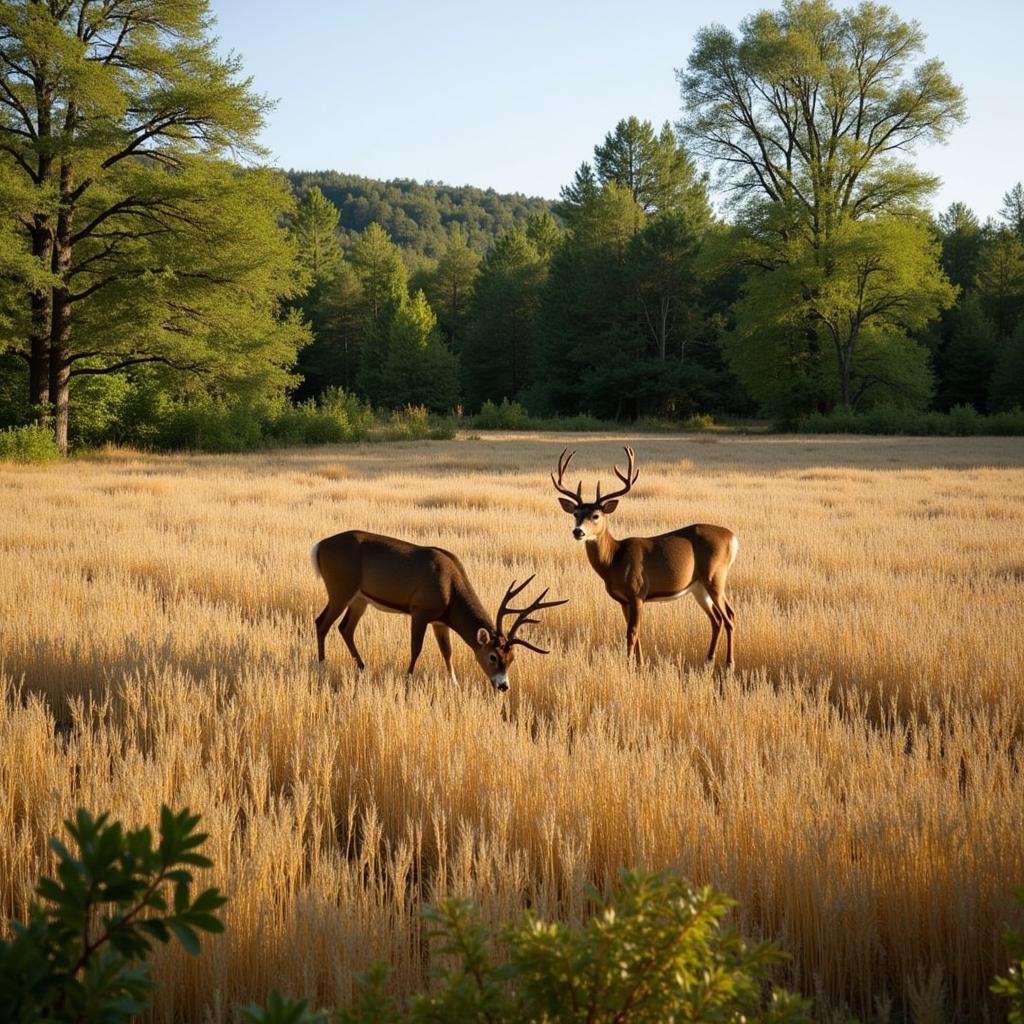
{"x":1012,"y":985}
{"x":657,"y":951}
{"x":415,"y":423}
{"x":27,"y":444}
{"x":506,"y":416}
{"x":81,"y":955}
{"x":961,"y":420}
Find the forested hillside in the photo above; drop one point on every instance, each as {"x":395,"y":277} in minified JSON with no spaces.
{"x":419,"y":217}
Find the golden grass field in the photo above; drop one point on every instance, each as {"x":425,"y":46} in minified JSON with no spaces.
{"x":856,"y":785}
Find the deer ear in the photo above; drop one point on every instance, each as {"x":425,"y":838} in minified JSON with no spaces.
{"x":610,"y":506}
{"x":567,"y":505}
{"x":482,"y":636}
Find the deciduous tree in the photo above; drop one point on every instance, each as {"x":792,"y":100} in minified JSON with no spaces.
{"x":808,"y":117}
{"x":116,"y":117}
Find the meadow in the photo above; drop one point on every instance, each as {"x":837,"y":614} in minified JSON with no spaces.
{"x":856,"y":785}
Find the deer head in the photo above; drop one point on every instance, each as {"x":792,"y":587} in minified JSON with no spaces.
{"x":589,"y":516}
{"x":495,"y":651}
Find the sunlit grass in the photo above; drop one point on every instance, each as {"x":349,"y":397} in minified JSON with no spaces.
{"x":856,"y":785}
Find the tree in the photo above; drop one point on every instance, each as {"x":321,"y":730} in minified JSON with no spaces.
{"x":337,"y":319}
{"x":417,"y":367}
{"x":382,"y":277}
{"x":968,"y":358}
{"x":450,"y":287}
{"x":807,"y":118}
{"x":115,"y":117}
{"x":1007,"y":388}
{"x":1012,"y":210}
{"x":663,"y":260}
{"x":962,"y":242}
{"x":875,"y":279}
{"x":499,"y":355}
{"x":315,"y":228}
{"x":1000,"y":281}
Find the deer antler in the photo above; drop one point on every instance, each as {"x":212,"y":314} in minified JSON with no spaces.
{"x":628,"y":478}
{"x":563,"y":465}
{"x":523,"y":614}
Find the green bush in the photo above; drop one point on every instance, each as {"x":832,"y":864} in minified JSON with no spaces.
{"x":27,"y":444}
{"x":415,"y":423}
{"x":960,"y":421}
{"x":658,"y":951}
{"x":81,"y":954}
{"x":506,"y":416}
{"x":335,"y":418}
{"x":1012,"y":985}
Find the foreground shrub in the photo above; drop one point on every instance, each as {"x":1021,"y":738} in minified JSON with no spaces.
{"x":81,"y":955}
{"x":1012,"y":985}
{"x":658,"y":951}
{"x":27,"y":444}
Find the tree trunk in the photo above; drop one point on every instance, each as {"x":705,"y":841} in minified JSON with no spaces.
{"x":60,"y":327}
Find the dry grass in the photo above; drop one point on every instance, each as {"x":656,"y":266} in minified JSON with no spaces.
{"x":857,"y":785}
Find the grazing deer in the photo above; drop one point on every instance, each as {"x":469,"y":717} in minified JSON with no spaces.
{"x":693,"y":560}
{"x":430,"y":585}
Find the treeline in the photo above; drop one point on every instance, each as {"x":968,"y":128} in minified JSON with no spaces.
{"x":147,"y":281}
{"x":597,"y":307}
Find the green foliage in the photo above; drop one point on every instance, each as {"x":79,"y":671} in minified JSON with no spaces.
{"x":314,"y":227}
{"x":450,"y":286}
{"x":827,"y":323}
{"x":216,"y":426}
{"x":280,"y":1009}
{"x":658,"y":950}
{"x":1000,"y":281}
{"x":150,"y":246}
{"x":420,"y":218}
{"x":499,"y":353}
{"x":967,"y":360}
{"x":960,"y":421}
{"x":415,"y":423}
{"x":1011,"y":985}
{"x":27,"y":444}
{"x":1007,"y":386}
{"x":506,"y":416}
{"x":81,"y":954}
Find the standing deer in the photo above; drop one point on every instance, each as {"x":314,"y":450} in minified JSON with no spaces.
{"x":693,"y":560}
{"x":430,"y":585}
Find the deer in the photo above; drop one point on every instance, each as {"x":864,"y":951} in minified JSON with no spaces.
{"x":430,"y":585}
{"x":693,"y":560}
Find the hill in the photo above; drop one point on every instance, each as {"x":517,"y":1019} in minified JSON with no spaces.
{"x":419,"y":217}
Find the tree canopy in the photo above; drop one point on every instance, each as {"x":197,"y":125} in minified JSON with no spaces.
{"x":147,"y":246}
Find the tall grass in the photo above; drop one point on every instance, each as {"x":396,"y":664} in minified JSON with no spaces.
{"x":857,"y":785}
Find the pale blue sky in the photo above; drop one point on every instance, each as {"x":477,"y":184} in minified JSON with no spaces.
{"x":515,"y":96}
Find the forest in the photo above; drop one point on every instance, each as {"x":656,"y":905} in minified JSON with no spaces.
{"x":771,"y":259}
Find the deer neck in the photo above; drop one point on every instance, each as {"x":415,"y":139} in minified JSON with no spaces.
{"x":601,"y":552}
{"x":466,"y":616}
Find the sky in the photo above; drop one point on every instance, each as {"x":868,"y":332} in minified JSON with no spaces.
{"x":515,"y":96}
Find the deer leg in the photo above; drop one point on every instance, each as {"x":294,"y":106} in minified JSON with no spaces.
{"x":633,"y":648}
{"x":639,"y":648}
{"x":347,"y":629}
{"x":324,"y":621}
{"x":444,"y":643}
{"x":716,"y":617}
{"x":717,"y":593}
{"x":419,"y":631}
